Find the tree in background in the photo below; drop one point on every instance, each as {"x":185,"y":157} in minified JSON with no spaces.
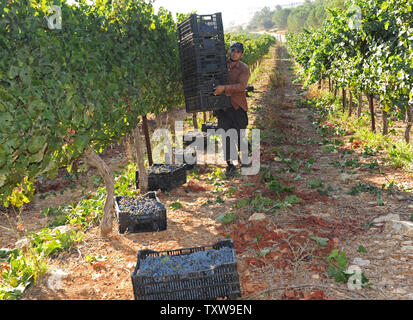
{"x":280,"y":18}
{"x":261,"y":20}
{"x":316,"y":16}
{"x":297,"y":19}
{"x":308,"y":15}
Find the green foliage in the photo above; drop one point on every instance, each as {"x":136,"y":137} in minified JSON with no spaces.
{"x":398,"y":153}
{"x":125,"y":181}
{"x":62,"y":90}
{"x":255,"y":46}
{"x":263,"y":252}
{"x":219,"y":200}
{"x":315,"y":183}
{"x":92,"y":259}
{"x":321,"y":241}
{"x":361,"y":249}
{"x":280,"y":18}
{"x":297,"y":19}
{"x":18,"y":271}
{"x":261,"y":19}
{"x":51,"y":242}
{"x":181,"y":17}
{"x":175,"y":205}
{"x":337,"y":268}
{"x":277,"y":187}
{"x":369,"y":50}
{"x":309,"y":14}
{"x":23,"y":193}
{"x":226,"y":218}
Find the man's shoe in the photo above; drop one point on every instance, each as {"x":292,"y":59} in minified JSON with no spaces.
{"x":230,"y":171}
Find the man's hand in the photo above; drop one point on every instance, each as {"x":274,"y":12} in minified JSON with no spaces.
{"x":219,"y":90}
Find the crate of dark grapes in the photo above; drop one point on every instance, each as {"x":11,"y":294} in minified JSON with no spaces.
{"x":207,"y":272}
{"x":165,"y":177}
{"x":141,"y":213}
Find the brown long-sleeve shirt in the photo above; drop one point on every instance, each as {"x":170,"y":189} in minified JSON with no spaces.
{"x":238,"y":80}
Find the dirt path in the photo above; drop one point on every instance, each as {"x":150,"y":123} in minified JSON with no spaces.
{"x":295,"y":261}
{"x":277,"y":257}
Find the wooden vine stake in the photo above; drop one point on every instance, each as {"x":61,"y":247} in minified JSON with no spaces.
{"x":106,"y":173}
{"x":360,"y":105}
{"x":371,"y":107}
{"x":147,"y":139}
{"x":385,"y":122}
{"x":344,"y":99}
{"x":409,"y":116}
{"x":143,"y":176}
{"x":171,"y":122}
{"x":170,"y":158}
{"x":350,"y":103}
{"x":195,"y":122}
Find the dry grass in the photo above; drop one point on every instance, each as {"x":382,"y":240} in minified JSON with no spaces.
{"x":277,"y":79}
{"x":314,"y":92}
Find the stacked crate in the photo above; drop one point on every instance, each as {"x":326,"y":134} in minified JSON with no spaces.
{"x":203,"y":62}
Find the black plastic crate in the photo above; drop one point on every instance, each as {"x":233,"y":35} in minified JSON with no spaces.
{"x":180,"y":155}
{"x":205,"y":78}
{"x":203,"y":62}
{"x":197,"y":87}
{"x":209,"y":125}
{"x":213,"y":62}
{"x":202,"y":74}
{"x":206,"y":102}
{"x":203,"y":41}
{"x":202,"y":45}
{"x":218,"y":76}
{"x":151,"y":218}
{"x":200,"y":25}
{"x":220,"y":282}
{"x":164,"y":177}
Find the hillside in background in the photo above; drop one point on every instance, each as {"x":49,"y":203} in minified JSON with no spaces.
{"x":311,"y":14}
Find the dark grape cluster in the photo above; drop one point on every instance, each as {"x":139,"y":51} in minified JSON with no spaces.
{"x":205,"y":261}
{"x":163,"y":168}
{"x":139,"y":206}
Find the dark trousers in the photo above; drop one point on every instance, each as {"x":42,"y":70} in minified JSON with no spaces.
{"x":232,"y":119}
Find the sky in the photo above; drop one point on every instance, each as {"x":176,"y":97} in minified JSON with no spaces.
{"x":234,"y":12}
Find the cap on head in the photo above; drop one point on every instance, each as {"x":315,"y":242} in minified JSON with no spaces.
{"x":238,"y":46}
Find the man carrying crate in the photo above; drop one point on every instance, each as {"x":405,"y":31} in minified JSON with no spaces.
{"x":236,"y":116}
